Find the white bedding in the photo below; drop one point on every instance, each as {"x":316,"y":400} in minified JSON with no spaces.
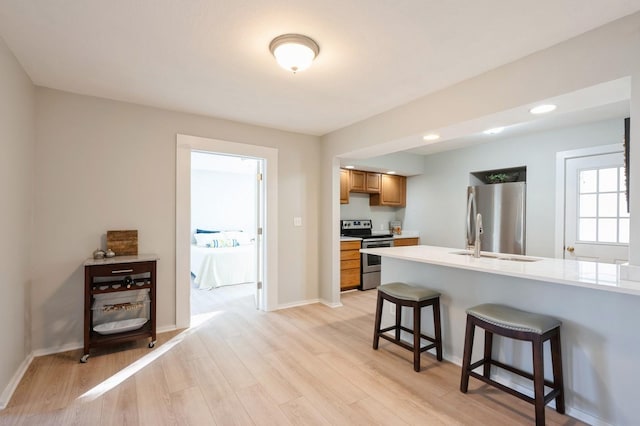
{"x":215,"y":267}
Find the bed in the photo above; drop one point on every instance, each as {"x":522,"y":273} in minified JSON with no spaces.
{"x":219,"y":266}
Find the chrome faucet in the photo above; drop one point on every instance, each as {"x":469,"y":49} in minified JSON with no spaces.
{"x":476,"y":246}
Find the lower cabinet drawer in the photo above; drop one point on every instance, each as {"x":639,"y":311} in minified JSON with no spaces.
{"x":350,"y":278}
{"x":350,"y":264}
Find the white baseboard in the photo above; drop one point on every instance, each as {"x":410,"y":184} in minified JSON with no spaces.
{"x":15,"y":381}
{"x":299,"y":303}
{"x":331,"y":304}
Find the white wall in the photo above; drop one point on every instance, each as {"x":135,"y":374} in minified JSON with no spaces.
{"x":359,"y":208}
{"x":223,"y":201}
{"x":17,"y":140}
{"x":438,"y":198}
{"x":110,"y":165}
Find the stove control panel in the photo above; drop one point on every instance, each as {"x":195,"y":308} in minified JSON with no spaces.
{"x":355,"y":224}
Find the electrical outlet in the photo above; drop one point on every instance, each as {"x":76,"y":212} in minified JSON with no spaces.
{"x":392,"y":308}
{"x":297,"y":221}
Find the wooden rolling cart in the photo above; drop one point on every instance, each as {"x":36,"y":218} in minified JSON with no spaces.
{"x":116,"y":276}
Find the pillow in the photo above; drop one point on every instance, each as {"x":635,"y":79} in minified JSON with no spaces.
{"x":215,"y":240}
{"x":206,"y":231}
{"x":242,"y":238}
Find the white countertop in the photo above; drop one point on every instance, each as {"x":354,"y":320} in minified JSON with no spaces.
{"x":350,"y":239}
{"x":120,"y":259}
{"x":600,"y":276}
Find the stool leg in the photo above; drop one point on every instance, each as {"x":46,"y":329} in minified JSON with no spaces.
{"x":376,"y":331}
{"x":417,"y":310}
{"x":437,"y":329}
{"x":398,"y":321}
{"x":466,"y":357}
{"x":488,"y":349}
{"x":538,"y":380}
{"x":556,"y":360}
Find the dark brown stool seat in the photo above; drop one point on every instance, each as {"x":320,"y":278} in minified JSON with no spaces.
{"x":414,"y":297}
{"x":521,"y":325}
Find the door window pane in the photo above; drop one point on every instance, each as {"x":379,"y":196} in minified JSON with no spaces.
{"x":608,"y":180}
{"x":588,"y":181}
{"x":607,"y":232}
{"x":608,"y":205}
{"x":624,"y":231}
{"x":602,"y":210}
{"x":588,"y":205}
{"x":587,"y":230}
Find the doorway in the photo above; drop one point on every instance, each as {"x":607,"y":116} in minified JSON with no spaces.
{"x":226,"y":218}
{"x":266,"y":240}
{"x":595,"y":215}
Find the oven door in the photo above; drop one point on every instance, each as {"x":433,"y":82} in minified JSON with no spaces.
{"x":372,"y":262}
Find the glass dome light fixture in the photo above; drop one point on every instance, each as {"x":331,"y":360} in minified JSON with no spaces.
{"x":294,"y":52}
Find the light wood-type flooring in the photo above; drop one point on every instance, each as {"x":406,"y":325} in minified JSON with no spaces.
{"x":302,"y":366}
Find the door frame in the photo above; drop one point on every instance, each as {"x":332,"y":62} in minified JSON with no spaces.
{"x":561,"y":161}
{"x":184,"y":145}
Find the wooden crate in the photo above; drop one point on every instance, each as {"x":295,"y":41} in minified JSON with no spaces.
{"x":123,"y":243}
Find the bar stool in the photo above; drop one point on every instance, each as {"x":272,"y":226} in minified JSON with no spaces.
{"x":417,"y":298}
{"x":521,"y":325}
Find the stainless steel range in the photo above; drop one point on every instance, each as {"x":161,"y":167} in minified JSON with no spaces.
{"x":369,"y":264}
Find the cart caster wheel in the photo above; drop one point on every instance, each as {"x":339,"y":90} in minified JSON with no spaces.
{"x":84,"y":358}
{"x":152,"y":344}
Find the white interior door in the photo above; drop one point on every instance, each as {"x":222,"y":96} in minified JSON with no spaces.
{"x":596,"y":217}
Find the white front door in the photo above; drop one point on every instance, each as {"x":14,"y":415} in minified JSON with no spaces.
{"x":596,"y":217}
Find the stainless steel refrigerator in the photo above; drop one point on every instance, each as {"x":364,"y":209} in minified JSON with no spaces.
{"x":502,"y":206}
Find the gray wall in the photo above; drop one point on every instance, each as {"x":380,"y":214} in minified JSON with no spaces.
{"x":104,"y":165}
{"x":17,"y":120}
{"x":438,"y":198}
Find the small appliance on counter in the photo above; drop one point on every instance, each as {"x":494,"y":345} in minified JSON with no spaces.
{"x":395,"y":227}
{"x":370,"y":264}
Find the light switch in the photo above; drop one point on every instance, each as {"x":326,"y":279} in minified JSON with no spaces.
{"x":297,"y":221}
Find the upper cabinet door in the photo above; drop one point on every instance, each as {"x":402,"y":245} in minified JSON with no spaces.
{"x":358,"y":181}
{"x":373,"y":183}
{"x":344,"y":186}
{"x":393,"y":192}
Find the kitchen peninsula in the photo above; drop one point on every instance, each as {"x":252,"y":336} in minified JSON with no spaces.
{"x":599,"y":312}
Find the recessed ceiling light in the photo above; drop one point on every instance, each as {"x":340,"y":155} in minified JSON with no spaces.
{"x":542,"y":109}
{"x":349,"y":167}
{"x":391,"y":172}
{"x":431,"y":137}
{"x":493,"y":131}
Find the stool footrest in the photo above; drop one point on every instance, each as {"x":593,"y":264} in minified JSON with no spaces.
{"x":508,"y":368}
{"x":547,"y":398}
{"x":408,"y":346}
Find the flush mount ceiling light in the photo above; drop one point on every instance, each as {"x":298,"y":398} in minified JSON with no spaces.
{"x":542,"y":109}
{"x":431,"y":137}
{"x":294,"y":52}
{"x":493,"y":131}
{"x":349,"y":167}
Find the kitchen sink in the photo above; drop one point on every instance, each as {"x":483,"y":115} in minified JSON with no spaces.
{"x":512,"y":258}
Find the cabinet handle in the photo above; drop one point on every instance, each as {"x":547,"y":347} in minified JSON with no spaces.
{"x":121,"y":271}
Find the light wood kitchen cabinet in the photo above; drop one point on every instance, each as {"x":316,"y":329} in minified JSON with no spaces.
{"x":365,"y":182}
{"x":400,"y":242}
{"x":344,"y":186}
{"x":373,"y":183}
{"x":349,"y":265}
{"x":393,"y":192}
{"x":357,"y":181}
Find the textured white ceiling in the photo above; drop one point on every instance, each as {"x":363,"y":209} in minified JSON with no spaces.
{"x":211,"y":57}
